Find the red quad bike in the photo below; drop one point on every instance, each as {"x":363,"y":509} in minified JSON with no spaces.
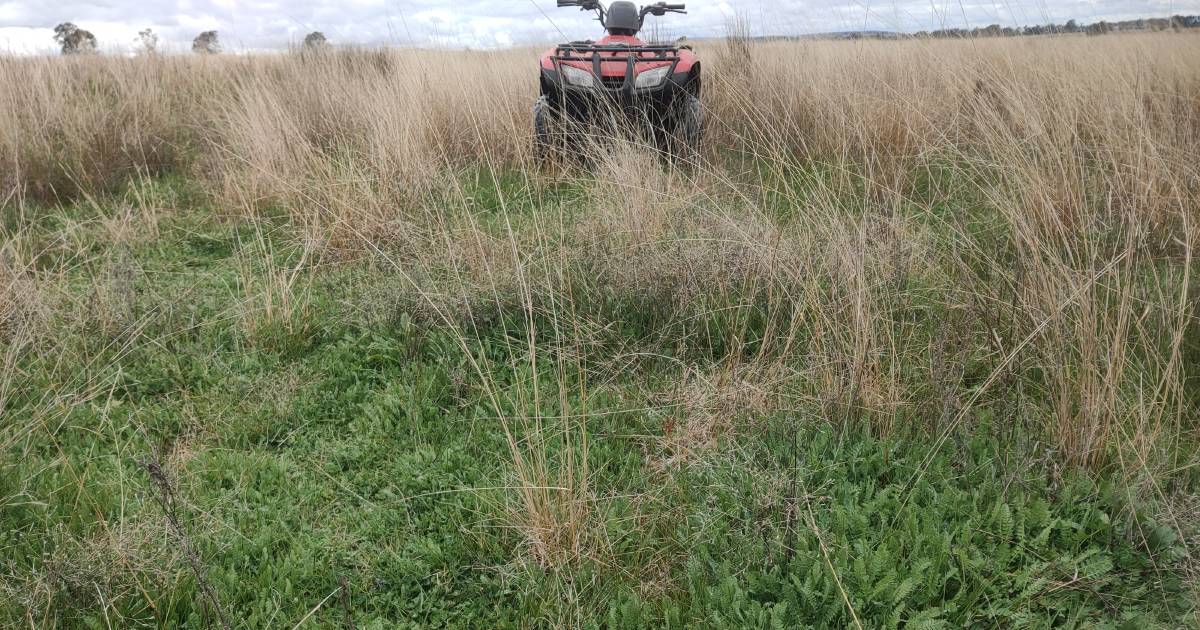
{"x":588,"y":86}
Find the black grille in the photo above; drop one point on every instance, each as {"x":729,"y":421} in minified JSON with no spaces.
{"x":613,"y":83}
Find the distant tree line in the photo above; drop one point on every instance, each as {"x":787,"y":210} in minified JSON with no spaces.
{"x":1175,"y":22}
{"x":73,"y":40}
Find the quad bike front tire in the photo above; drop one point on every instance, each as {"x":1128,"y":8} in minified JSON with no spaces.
{"x":688,"y":119}
{"x":547,"y":132}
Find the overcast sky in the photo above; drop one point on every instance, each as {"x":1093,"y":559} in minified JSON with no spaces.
{"x":26,"y":25}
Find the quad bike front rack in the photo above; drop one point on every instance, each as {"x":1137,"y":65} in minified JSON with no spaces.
{"x":597,"y":54}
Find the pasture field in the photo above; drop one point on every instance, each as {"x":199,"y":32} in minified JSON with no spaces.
{"x":311,"y":340}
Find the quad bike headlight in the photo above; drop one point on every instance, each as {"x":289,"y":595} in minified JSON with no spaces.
{"x":651,"y":78}
{"x":575,"y":76}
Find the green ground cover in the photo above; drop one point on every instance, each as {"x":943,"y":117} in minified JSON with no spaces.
{"x":335,"y":459}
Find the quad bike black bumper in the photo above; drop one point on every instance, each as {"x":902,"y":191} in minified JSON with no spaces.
{"x":615,"y":97}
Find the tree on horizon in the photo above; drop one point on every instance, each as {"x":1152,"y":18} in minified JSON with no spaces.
{"x":206,"y":43}
{"x":147,"y":41}
{"x":315,"y":40}
{"x":74,"y":40}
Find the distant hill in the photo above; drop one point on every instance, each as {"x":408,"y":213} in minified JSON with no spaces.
{"x":1173,"y":23}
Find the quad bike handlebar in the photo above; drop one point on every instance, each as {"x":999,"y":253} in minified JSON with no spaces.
{"x":656,"y":9}
{"x":660,"y":8}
